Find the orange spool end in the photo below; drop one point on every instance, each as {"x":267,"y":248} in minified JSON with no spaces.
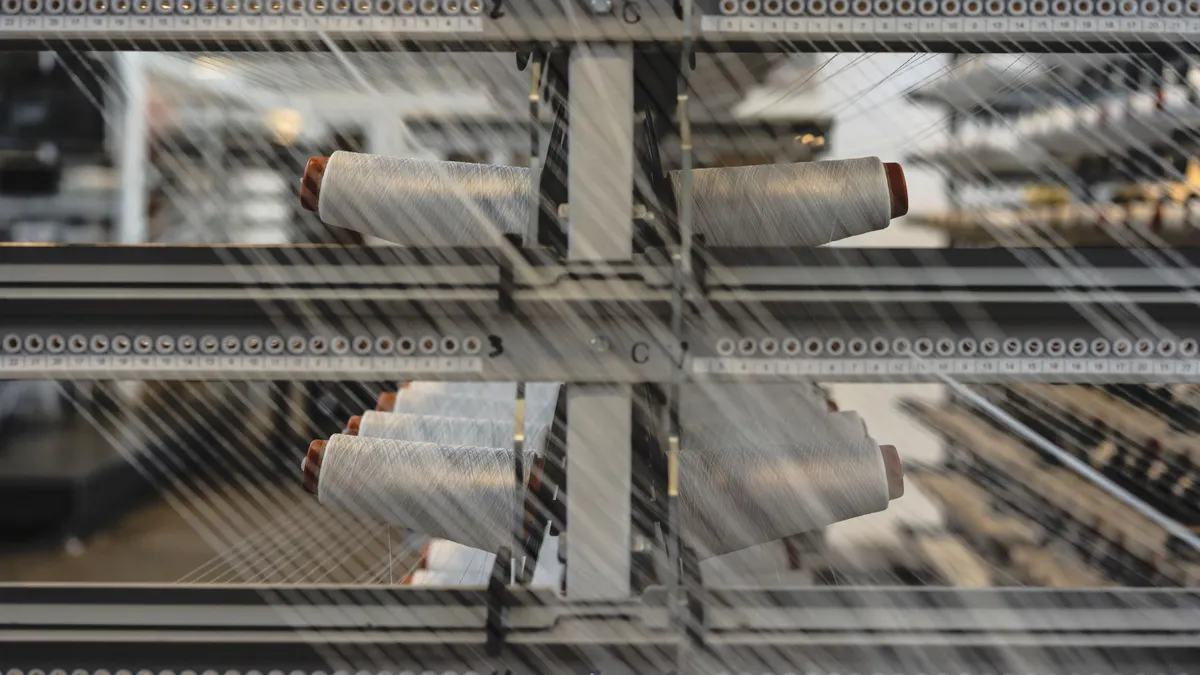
{"x":312,"y":466}
{"x":386,"y":402}
{"x":894,"y":470}
{"x":897,"y":188}
{"x":310,"y":183}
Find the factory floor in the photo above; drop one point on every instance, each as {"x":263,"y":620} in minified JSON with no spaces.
{"x":153,"y":543}
{"x":227,"y":535}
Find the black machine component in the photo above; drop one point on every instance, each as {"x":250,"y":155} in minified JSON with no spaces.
{"x":51,"y":109}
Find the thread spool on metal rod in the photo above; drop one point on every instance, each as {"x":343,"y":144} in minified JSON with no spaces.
{"x":458,"y":493}
{"x":420,"y":202}
{"x":786,"y":467}
{"x":742,"y":485}
{"x":729,"y":497}
{"x":539,"y":405}
{"x":537,"y":393}
{"x":482,"y":432}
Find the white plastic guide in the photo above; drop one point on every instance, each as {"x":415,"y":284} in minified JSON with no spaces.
{"x":865,"y":369}
{"x":262,"y":366}
{"x":990,"y":27}
{"x":983,"y":369}
{"x":133,"y":25}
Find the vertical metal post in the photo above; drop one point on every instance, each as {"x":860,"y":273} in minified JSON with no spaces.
{"x":953,"y":124}
{"x":535,"y":146}
{"x":600,"y":178}
{"x":132,"y":152}
{"x":519,"y":483}
{"x":599,"y":511}
{"x":682,"y":259}
{"x":600,"y":416}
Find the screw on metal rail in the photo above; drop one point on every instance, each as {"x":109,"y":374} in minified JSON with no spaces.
{"x":600,"y":344}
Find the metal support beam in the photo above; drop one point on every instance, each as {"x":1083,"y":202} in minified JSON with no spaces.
{"x":132,"y":152}
{"x":599,"y":531}
{"x":977,"y":315}
{"x":600,"y":182}
{"x":770,"y":630}
{"x":525,"y":24}
{"x":600,"y":188}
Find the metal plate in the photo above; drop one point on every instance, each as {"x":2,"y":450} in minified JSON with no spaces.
{"x":504,"y":24}
{"x":860,"y":630}
{"x":838,"y":315}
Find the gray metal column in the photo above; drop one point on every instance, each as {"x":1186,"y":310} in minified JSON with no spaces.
{"x":132,"y":152}
{"x":601,"y":153}
{"x":500,"y":156}
{"x":600,"y":228}
{"x":599,"y":511}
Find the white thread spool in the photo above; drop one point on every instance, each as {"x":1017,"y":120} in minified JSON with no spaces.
{"x":498,"y":403}
{"x":487,"y":433}
{"x":444,"y":568}
{"x":490,"y":390}
{"x":806,"y":204}
{"x":426,"y":203}
{"x":459,"y":493}
{"x":762,"y":462}
{"x":420,"y":202}
{"x":540,"y":402}
{"x":451,"y":564}
{"x":456,"y":406}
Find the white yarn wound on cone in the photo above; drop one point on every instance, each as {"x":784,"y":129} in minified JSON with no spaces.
{"x":460,"y":493}
{"x":497,"y":403}
{"x":759,"y":462}
{"x":806,"y":204}
{"x":451,"y":564}
{"x":506,"y":391}
{"x":442,"y":430}
{"x":763,"y":462}
{"x":420,"y":202}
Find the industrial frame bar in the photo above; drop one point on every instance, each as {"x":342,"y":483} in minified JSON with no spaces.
{"x":846,"y":315}
{"x":600,"y":162}
{"x":1108,"y":631}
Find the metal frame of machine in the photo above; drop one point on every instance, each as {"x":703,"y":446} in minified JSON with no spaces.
{"x":859,"y":630}
{"x":868,"y":315}
{"x":655,"y":314}
{"x":817,"y":25}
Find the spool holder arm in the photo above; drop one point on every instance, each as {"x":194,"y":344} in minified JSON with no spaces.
{"x":633,"y":82}
{"x":649,"y":186}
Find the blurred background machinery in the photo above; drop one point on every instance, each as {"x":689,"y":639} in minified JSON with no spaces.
{"x":205,"y":148}
{"x":1025,"y":338}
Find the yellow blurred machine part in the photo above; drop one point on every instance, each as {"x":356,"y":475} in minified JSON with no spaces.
{"x":1177,"y":192}
{"x":1047,"y":195}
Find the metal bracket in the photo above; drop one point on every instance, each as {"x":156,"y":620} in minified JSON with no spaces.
{"x":601,"y":155}
{"x":506,"y":282}
{"x":498,"y":601}
{"x":599,"y":489}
